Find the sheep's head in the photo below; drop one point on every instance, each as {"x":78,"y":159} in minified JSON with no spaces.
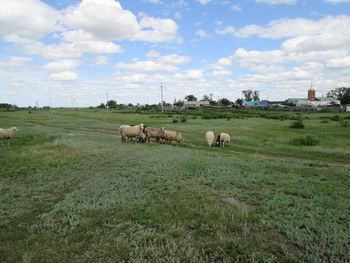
{"x":141,"y":126}
{"x":14,"y":129}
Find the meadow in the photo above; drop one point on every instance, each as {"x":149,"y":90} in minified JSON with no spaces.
{"x":70,"y":191}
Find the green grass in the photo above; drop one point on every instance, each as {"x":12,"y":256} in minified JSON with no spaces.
{"x":70,"y":191}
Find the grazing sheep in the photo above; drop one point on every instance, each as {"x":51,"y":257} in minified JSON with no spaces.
{"x":127,"y":131}
{"x":5,"y":134}
{"x":223,"y":139}
{"x":157,"y":133}
{"x":210,"y":137}
{"x":173,"y":136}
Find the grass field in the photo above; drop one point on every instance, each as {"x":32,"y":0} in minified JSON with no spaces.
{"x":70,"y":191}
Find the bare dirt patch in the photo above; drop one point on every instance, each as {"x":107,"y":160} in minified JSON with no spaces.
{"x":232,"y":201}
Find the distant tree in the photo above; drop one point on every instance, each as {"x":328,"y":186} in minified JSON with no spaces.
{"x":224,"y":102}
{"x":101,"y":106}
{"x":342,"y":94}
{"x":179,"y":103}
{"x":239,"y":101}
{"x":190,"y":97}
{"x":256,"y":95}
{"x":130,"y":105}
{"x":206,"y":98}
{"x":248,"y":95}
{"x":112,"y":104}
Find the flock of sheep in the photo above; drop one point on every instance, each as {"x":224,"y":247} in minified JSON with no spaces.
{"x":143,"y":134}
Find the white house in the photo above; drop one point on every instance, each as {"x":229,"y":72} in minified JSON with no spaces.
{"x":195,"y":104}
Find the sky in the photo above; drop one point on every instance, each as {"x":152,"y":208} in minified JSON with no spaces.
{"x":53,"y":52}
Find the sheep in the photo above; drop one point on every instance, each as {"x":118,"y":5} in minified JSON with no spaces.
{"x":5,"y":134}
{"x":173,"y":136}
{"x":127,"y":131}
{"x":222,"y":139}
{"x":157,"y":133}
{"x":210,"y":137}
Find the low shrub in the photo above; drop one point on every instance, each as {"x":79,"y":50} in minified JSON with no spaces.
{"x":183,"y":119}
{"x":324,"y":121}
{"x":306,"y":141}
{"x":298,"y":124}
{"x":175,"y":120}
{"x":343,"y":123}
{"x":335,"y":118}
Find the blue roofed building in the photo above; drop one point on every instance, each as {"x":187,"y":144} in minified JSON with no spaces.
{"x":256,"y":103}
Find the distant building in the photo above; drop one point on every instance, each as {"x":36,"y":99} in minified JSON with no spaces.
{"x":256,"y":103}
{"x":313,"y":101}
{"x":195,"y":104}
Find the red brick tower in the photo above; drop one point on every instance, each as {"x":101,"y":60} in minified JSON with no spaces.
{"x":311,"y":93}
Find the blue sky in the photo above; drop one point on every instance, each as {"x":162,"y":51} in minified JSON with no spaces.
{"x":51,"y":51}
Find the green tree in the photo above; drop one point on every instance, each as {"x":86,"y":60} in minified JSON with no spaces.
{"x":256,"y":96}
{"x":248,"y":95}
{"x":224,"y":102}
{"x":239,"y":101}
{"x":190,"y":97}
{"x":101,"y":106}
{"x":342,"y":94}
{"x":112,"y":104}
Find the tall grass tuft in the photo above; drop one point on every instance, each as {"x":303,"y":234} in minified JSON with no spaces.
{"x":298,"y":124}
{"x":306,"y":141}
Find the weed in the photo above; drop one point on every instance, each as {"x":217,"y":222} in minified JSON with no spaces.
{"x":298,"y":124}
{"x":306,"y":141}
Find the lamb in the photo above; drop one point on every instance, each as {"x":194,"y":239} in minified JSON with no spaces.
{"x":127,"y":131}
{"x":157,"y":133}
{"x":173,"y":136}
{"x":210,"y":137}
{"x":223,"y":139}
{"x":5,"y":134}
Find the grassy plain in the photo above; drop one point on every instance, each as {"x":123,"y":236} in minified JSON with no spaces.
{"x":70,"y":191}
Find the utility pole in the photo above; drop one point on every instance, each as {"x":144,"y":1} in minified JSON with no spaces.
{"x":161,"y":96}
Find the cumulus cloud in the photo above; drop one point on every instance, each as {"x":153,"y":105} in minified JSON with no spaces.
{"x":153,"y":54}
{"x":202,"y":33}
{"x":277,"y":2}
{"x":61,"y":65}
{"x":101,"y":60}
{"x":338,"y":1}
{"x":27,"y":19}
{"x":64,"y":76}
{"x":204,"y":2}
{"x":15,"y":61}
{"x":146,"y":66}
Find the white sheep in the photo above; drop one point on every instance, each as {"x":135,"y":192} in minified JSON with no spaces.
{"x":170,"y":136}
{"x":210,"y":137}
{"x":132,"y":131}
{"x":223,"y":139}
{"x":5,"y":134}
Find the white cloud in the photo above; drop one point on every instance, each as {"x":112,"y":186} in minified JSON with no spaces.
{"x":61,"y":65}
{"x":202,"y":33}
{"x":152,"y":54}
{"x":65,"y":75}
{"x":339,"y":63}
{"x":226,"y":30}
{"x":277,"y":2}
{"x":27,"y":19}
{"x":101,"y":60}
{"x":157,"y":30}
{"x":173,"y":59}
{"x":15,"y":61}
{"x":146,"y":66}
{"x":105,"y":19}
{"x":236,"y":8}
{"x":204,"y":2}
{"x":338,"y":1}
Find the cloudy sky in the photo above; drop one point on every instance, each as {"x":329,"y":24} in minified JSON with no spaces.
{"x":53,"y":50}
